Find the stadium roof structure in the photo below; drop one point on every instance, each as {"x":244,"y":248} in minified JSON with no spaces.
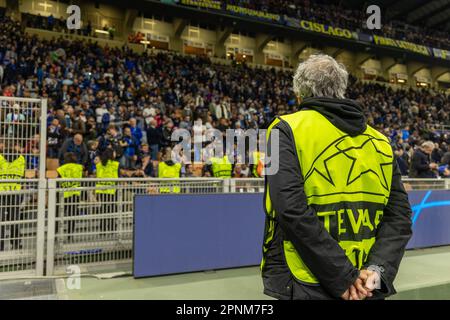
{"x":422,"y":13}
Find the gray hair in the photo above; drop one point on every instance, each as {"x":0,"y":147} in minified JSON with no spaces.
{"x":320,"y":76}
{"x":428,"y":144}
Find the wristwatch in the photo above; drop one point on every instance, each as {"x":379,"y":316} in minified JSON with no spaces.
{"x":378,"y":270}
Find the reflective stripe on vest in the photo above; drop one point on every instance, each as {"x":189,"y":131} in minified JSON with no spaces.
{"x":347,"y":181}
{"x":221,"y":167}
{"x":110,"y":171}
{"x":71,"y":171}
{"x":14,"y":170}
{"x":166,"y":171}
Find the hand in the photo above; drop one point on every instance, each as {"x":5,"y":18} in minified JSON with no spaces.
{"x":346,"y":295}
{"x":372,"y":281}
{"x":358,"y":290}
{"x":433,"y":166}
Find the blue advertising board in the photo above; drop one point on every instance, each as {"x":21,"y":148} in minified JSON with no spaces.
{"x":431,"y":218}
{"x":186,"y":233}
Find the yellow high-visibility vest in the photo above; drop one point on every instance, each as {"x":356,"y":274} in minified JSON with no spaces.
{"x":169,"y":171}
{"x":71,"y":171}
{"x":347,"y":181}
{"x":221,"y":167}
{"x":14,"y":170}
{"x":110,"y":171}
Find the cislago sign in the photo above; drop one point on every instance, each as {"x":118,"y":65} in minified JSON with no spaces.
{"x":321,"y":28}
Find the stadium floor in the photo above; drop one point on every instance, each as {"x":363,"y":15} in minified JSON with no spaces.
{"x":423,"y":275}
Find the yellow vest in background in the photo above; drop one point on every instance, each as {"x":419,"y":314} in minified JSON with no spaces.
{"x":71,"y":171}
{"x":166,"y":171}
{"x":258,"y":164}
{"x":347,"y":182}
{"x":221,"y":167}
{"x":14,"y":170}
{"x":110,"y":171}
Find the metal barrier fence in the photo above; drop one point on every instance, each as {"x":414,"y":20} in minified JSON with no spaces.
{"x":426,"y":184}
{"x":21,"y":121}
{"x":19,"y":227}
{"x":90,"y":221}
{"x":23,"y":130}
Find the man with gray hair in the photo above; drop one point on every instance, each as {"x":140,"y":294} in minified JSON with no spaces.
{"x":337,"y":216}
{"x":421,"y":165}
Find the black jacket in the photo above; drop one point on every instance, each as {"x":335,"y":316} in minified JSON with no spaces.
{"x":420,"y":165}
{"x":298,"y":222}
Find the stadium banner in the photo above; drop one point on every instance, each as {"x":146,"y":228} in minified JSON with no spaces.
{"x":406,"y":45}
{"x":321,"y":28}
{"x":207,"y":4}
{"x":441,"y":53}
{"x":233,"y":9}
{"x":253,"y":13}
{"x":431,"y":218}
{"x":176,"y":233}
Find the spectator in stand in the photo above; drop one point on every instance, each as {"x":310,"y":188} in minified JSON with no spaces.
{"x":402,"y":164}
{"x":94,"y":156}
{"x":131,"y":148}
{"x":145,"y":163}
{"x":421,"y":165}
{"x":135,"y":131}
{"x":54,"y":139}
{"x":112,"y":140}
{"x":14,"y":121}
{"x":76,"y":146}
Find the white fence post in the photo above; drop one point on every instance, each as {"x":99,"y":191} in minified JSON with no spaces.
{"x":40,"y":235}
{"x":51,"y":227}
{"x":231,"y":185}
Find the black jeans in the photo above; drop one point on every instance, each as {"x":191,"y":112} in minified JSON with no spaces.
{"x":71,"y":209}
{"x":108,"y":204}
{"x":10,"y":212}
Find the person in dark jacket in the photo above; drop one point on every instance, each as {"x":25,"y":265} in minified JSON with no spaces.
{"x":154,"y":138}
{"x":305,"y":236}
{"x":421,"y":165}
{"x":78,"y":147}
{"x":401,"y":161}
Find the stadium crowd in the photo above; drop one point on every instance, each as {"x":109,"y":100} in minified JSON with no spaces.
{"x":100,"y":98}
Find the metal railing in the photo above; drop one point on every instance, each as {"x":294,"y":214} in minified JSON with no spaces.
{"x":90,"y":223}
{"x":23,"y":132}
{"x":425,"y":184}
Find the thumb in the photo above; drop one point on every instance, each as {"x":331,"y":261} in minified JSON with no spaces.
{"x":371,"y":281}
